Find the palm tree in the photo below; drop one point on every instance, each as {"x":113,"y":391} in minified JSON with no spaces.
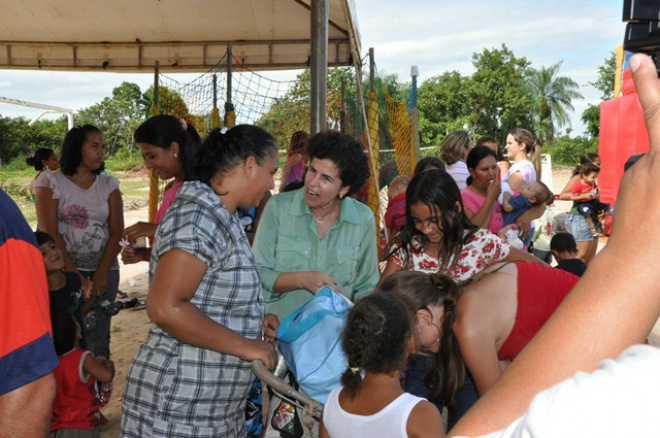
{"x":553,"y":100}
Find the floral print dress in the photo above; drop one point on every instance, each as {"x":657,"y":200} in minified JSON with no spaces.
{"x":481,"y":250}
{"x":83,"y":217}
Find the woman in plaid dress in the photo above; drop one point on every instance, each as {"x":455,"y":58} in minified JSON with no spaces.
{"x":192,"y":375}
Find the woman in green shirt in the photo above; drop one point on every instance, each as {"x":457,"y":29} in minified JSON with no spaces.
{"x":318,"y":236}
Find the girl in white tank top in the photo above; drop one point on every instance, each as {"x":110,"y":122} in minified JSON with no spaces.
{"x":377,"y":339}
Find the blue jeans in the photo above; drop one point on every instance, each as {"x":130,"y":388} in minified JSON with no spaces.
{"x":98,"y":340}
{"x":414,"y":384}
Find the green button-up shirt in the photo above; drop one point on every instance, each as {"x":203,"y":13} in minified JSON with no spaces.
{"x":287,"y":241}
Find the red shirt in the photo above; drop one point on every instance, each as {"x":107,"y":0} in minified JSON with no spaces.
{"x":76,"y":404}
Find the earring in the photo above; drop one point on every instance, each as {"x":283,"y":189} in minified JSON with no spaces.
{"x":176,"y":155}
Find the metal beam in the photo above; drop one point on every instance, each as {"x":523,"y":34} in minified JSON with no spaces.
{"x":319,"y":65}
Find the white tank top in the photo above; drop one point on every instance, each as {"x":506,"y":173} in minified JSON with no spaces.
{"x":390,"y":422}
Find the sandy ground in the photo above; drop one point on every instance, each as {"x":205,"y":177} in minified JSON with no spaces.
{"x":129,"y":328}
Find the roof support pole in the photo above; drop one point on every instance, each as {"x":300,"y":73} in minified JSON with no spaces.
{"x":319,"y":64}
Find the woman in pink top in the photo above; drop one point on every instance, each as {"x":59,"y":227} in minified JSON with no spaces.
{"x":480,"y":197}
{"x":168,"y":147}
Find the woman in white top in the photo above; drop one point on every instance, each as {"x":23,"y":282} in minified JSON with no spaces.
{"x":520,"y":146}
{"x":82,"y":211}
{"x":454,"y":150}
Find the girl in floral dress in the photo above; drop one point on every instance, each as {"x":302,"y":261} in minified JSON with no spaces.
{"x":82,"y":210}
{"x":439,"y":237}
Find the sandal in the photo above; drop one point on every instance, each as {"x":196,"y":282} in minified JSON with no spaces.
{"x":89,"y":320}
{"x":107,"y":306}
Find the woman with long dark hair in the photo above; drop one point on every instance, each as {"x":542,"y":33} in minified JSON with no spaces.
{"x":192,"y":375}
{"x":169,"y":147}
{"x":81,"y":209}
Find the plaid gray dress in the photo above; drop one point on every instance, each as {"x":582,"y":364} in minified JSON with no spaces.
{"x":174,"y":389}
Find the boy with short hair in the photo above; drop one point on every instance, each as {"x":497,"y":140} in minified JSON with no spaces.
{"x":564,"y":249}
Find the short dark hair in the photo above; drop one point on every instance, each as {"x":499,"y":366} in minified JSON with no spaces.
{"x":162,"y":130}
{"x":43,"y":238}
{"x":563,"y":242}
{"x":72,"y":149}
{"x":40,"y":155}
{"x":346,"y":153}
{"x":222,"y":152}
{"x":428,"y":162}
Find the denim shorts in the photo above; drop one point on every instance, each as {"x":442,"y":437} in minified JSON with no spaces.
{"x":578,"y":226}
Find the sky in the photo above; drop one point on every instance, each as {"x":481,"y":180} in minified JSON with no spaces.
{"x":435,"y":35}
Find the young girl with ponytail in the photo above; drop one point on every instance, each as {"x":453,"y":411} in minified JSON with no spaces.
{"x":44,"y":160}
{"x":378,"y":336}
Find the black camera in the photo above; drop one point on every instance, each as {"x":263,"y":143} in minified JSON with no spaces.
{"x":643,"y":28}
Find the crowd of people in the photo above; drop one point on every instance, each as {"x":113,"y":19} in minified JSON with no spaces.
{"x":463,"y":316}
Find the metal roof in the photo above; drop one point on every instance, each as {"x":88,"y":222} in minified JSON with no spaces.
{"x":190,"y":35}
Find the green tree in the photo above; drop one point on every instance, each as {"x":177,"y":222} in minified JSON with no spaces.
{"x":17,"y":137}
{"x":501,"y":99}
{"x":605,"y":84}
{"x":117,"y":116}
{"x":445,"y":105}
{"x":553,"y":97}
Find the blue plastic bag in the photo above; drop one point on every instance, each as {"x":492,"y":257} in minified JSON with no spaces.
{"x":310,"y":341}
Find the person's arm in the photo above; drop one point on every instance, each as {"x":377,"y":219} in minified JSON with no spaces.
{"x":481,"y":218}
{"x":175,"y":281}
{"x":565,"y":194}
{"x":581,"y":331}
{"x":26,"y":411}
{"x":515,"y":255}
{"x":524,"y":222}
{"x":323,"y":432}
{"x":516,"y":181}
{"x":506,"y":204}
{"x":425,"y":421}
{"x":47,"y":218}
{"x":112,"y":248}
{"x":474,"y":329}
{"x":367,"y":267}
{"x":140,"y":229}
{"x":103,"y":369}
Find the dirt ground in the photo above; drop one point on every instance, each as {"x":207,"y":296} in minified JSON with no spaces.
{"x":129,"y":328}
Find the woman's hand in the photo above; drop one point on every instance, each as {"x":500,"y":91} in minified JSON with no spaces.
{"x":524,"y":226}
{"x":140,"y":229}
{"x":130,"y":256}
{"x":494,"y":189}
{"x":271,"y":324}
{"x":259,"y":350}
{"x":315,"y":280}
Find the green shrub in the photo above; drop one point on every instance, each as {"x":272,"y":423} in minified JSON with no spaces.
{"x":566,"y":150}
